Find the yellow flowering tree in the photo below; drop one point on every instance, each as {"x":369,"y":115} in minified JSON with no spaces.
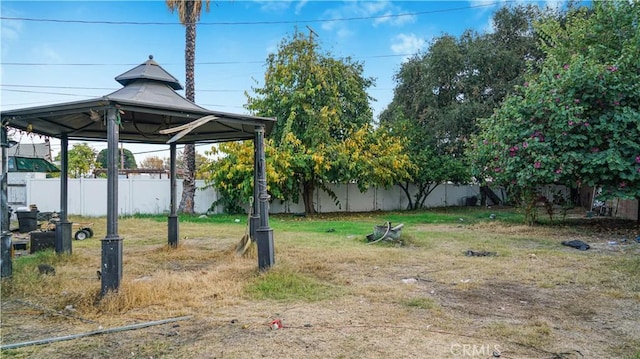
{"x":323,"y":135}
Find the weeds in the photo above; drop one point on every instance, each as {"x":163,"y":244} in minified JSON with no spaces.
{"x":420,"y":303}
{"x":288,"y":285}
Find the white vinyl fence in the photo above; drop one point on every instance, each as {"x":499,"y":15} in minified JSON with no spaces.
{"x":88,"y":197}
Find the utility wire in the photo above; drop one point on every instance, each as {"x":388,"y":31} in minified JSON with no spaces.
{"x":92,"y":96}
{"x":274,"y":22}
{"x":90,"y":88}
{"x":61,"y":87}
{"x":176,"y":64}
{"x":47,"y":93}
{"x":104,"y":64}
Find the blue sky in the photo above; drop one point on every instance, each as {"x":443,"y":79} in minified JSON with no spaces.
{"x":45,"y":62}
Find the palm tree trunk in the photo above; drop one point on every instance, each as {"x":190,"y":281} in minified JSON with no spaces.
{"x":189,"y":179}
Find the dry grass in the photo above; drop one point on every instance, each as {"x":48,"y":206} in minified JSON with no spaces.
{"x":337,"y":296}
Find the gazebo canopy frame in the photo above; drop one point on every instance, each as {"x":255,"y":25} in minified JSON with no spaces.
{"x":146,"y":110}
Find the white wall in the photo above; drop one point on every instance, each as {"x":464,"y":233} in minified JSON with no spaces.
{"x":17,"y":187}
{"x":88,"y":197}
{"x":377,"y":199}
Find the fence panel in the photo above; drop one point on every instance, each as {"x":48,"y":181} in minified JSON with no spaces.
{"x":88,"y":197}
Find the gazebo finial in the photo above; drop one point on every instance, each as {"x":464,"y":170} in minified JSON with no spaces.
{"x":150,"y":57}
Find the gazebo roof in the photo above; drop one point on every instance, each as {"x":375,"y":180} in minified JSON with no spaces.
{"x":149,"y":70}
{"x":147,"y":104}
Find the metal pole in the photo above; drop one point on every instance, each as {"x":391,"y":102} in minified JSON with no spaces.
{"x":173,"y":218}
{"x":112,"y":243}
{"x":95,"y":332}
{"x":254,"y":221}
{"x":63,"y":227}
{"x":6,"y":263}
{"x":264,"y":234}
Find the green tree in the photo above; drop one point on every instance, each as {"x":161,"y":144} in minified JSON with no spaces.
{"x":232,"y":174}
{"x":180,"y":163}
{"x":440,"y":93}
{"x":126,"y":159}
{"x":82,"y":160}
{"x":319,"y":102}
{"x":429,"y":169}
{"x":189,"y":13}
{"x":578,"y":120}
{"x":323,"y":134}
{"x":152,"y":162}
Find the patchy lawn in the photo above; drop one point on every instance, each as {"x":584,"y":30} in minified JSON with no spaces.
{"x":336,"y":295}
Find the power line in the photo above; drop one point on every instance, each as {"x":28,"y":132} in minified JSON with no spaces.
{"x":47,"y":93}
{"x":105,"y":64}
{"x":26,"y":103}
{"x":176,"y":64}
{"x":92,"y":88}
{"x":98,"y":88}
{"x":274,"y":22}
{"x":60,"y":87}
{"x":88,"y":96}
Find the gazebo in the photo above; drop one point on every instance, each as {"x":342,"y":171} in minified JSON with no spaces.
{"x":147,"y":109}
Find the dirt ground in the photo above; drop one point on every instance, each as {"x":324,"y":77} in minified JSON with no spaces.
{"x":415,"y":301}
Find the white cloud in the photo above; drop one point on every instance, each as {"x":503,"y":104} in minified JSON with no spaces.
{"x":273,"y":6}
{"x":483,"y":6}
{"x":492,"y":3}
{"x":10,"y":31}
{"x":380,"y":12}
{"x":407,"y":44}
{"x":489,"y":27}
{"x":484,"y":2}
{"x":330,"y":14}
{"x":299,"y":5}
{"x":373,"y":7}
{"x":394,"y":20}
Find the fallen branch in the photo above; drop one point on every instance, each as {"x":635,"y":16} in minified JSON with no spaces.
{"x":95,"y":332}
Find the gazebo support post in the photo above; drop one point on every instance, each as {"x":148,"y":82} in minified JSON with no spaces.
{"x":173,"y":218}
{"x":63,"y":227}
{"x":112,"y":243}
{"x":264,"y":234}
{"x":254,"y":219}
{"x":6,"y":262}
